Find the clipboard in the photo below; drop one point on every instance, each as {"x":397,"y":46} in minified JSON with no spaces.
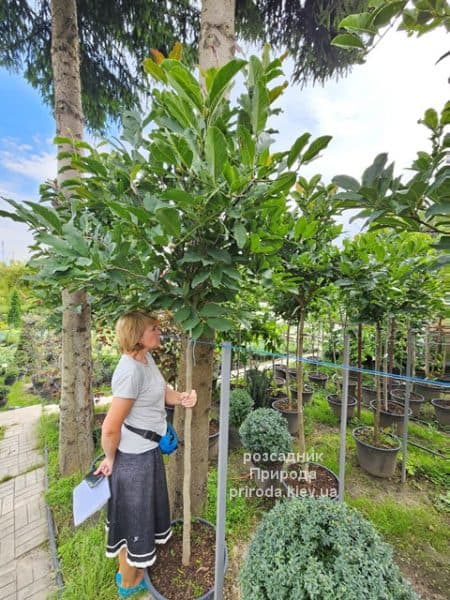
{"x":90,"y":495}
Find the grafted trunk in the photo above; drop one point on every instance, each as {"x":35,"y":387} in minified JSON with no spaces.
{"x":202,"y":383}
{"x":76,"y":443}
{"x":378,"y":351}
{"x":186,"y":559}
{"x":301,"y":423}
{"x":391,"y":350}
{"x":360,"y":333}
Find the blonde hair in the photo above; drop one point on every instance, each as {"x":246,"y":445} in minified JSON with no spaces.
{"x":130,"y":328}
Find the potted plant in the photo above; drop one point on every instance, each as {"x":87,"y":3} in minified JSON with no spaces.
{"x":258,"y":386}
{"x":415,"y":400}
{"x":265,"y":435}
{"x":335,"y":403}
{"x":317,"y":378}
{"x":392,"y":415}
{"x":319,"y":549}
{"x":11,"y":375}
{"x":442,"y":410}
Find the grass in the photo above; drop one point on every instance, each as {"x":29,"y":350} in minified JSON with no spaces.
{"x":2,"y":432}
{"x":18,"y":397}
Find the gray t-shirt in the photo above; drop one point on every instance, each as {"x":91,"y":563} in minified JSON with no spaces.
{"x":146,"y":385}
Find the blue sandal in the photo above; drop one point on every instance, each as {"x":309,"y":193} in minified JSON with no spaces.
{"x":127,"y":592}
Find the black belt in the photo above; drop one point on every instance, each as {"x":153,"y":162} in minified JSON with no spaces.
{"x":145,"y":433}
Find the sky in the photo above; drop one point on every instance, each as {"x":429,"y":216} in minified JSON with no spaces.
{"x":374,"y":109}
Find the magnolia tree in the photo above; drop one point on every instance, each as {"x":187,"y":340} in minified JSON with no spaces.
{"x":306,"y":263}
{"x":173,"y":219}
{"x":388,"y":275}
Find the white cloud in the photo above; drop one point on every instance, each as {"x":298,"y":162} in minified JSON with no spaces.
{"x":34,"y":166}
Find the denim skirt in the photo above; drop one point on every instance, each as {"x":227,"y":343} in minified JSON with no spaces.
{"x":138,"y":510}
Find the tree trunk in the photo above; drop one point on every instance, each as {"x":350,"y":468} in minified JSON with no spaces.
{"x":288,"y":375}
{"x":391,"y":349}
{"x":385,"y":365}
{"x":378,"y":350}
{"x":202,"y":383}
{"x":301,"y":424}
{"x":217,"y":40}
{"x":76,"y":447}
{"x":426,"y":358}
{"x":186,"y":559}
{"x":360,"y":333}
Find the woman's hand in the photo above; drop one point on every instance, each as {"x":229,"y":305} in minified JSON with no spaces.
{"x":105,"y":467}
{"x":189,"y":400}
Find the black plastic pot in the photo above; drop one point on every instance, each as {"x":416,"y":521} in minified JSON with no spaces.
{"x":415,"y":400}
{"x":380,"y":462}
{"x":428,"y":390}
{"x":213,"y":446}
{"x":332,"y":493}
{"x":291,"y":416}
{"x":306,"y":395}
{"x":388,"y":419}
{"x":209,"y":594}
{"x":352,"y":385}
{"x":441,"y":410}
{"x":319,"y":379}
{"x":368,"y":394}
{"x":279,"y":371}
{"x":335,"y":403}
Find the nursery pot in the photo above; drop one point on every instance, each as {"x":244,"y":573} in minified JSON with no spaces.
{"x":393,"y":416}
{"x":213,"y":440}
{"x":380,"y":462}
{"x":3,"y":400}
{"x":209,"y":595}
{"x":279,"y":371}
{"x":415,"y":400}
{"x":267,"y":476}
{"x":306,"y":395}
{"x":368,"y":394}
{"x":281,"y":405}
{"x":351,"y":386}
{"x":441,"y":410}
{"x":314,"y":482}
{"x":427,"y":390}
{"x":335,"y":403}
{"x":319,"y":379}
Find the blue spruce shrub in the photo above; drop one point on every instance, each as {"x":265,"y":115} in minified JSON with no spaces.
{"x":310,"y":549}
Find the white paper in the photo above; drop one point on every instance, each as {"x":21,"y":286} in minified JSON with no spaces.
{"x":87,"y":500}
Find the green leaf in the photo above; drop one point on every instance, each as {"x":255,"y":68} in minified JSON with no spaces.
{"x":221,"y":80}
{"x":441,"y":208}
{"x":182,"y":80}
{"x":431,"y":119}
{"x":170,"y":221}
{"x":220,"y":255}
{"x":50,"y":216}
{"x":317,"y":145}
{"x":346,"y":182}
{"x":220,"y":324}
{"x":183,"y":198}
{"x":375,"y":170}
{"x":182,"y":314}
{"x":211,"y":310}
{"x":296,"y":148}
{"x":197,"y":331}
{"x":384,"y":14}
{"x":347,"y":40}
{"x":200,"y":278}
{"x":357,"y":22}
{"x":153,"y":69}
{"x":246,"y":145}
{"x":240,"y":235}
{"x":282,"y":183}
{"x":215,"y":151}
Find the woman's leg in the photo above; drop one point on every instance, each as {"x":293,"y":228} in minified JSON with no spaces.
{"x":131,"y":576}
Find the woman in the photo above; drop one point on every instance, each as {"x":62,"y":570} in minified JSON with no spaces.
{"x":138,"y":510}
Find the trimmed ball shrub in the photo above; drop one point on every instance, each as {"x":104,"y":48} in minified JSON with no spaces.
{"x":241,"y":404}
{"x":265,"y":431}
{"x":320,"y":550}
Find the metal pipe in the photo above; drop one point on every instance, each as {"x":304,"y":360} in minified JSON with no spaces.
{"x":344,"y":408}
{"x":222,"y":469}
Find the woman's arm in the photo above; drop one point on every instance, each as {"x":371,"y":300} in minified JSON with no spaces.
{"x":173,"y":398}
{"x":119,"y":409}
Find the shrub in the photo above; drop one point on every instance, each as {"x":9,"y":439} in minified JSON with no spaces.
{"x":319,"y":549}
{"x":258,"y":385}
{"x":265,"y":431}
{"x":11,"y":375}
{"x":241,"y":404}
